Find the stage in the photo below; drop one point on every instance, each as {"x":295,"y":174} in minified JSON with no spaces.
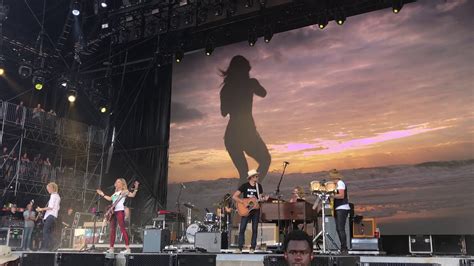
{"x":190,"y":258}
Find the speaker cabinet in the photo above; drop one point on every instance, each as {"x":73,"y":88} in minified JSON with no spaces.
{"x":195,"y":259}
{"x":81,"y":259}
{"x":36,"y":258}
{"x":211,"y":241}
{"x":448,"y":245}
{"x":331,"y":232}
{"x":318,"y":260}
{"x":420,"y":244}
{"x":150,"y":259}
{"x":155,"y":240}
{"x":364,"y":229}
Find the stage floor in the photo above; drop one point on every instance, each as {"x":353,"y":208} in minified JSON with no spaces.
{"x":222,"y":259}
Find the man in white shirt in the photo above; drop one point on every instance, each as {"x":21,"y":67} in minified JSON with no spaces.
{"x":341,"y":208}
{"x":50,"y":216}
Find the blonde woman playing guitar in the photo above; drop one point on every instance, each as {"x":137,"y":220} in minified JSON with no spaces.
{"x":248,"y":207}
{"x":116,"y":214}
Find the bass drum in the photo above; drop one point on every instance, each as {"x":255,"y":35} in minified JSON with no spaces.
{"x":192,"y":230}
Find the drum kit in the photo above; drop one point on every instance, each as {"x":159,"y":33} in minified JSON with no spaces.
{"x":211,"y":222}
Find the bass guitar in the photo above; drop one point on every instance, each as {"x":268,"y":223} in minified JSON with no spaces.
{"x":110,"y":209}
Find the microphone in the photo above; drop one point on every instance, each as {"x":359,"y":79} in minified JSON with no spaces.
{"x":286,"y":163}
{"x":183,"y":186}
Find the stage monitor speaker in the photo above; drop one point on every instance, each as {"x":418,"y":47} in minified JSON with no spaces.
{"x":448,"y":245}
{"x":81,"y":259}
{"x":420,"y":244}
{"x":196,"y":259}
{"x":37,"y":258}
{"x":469,"y":241}
{"x":211,"y":241}
{"x":150,"y":259}
{"x":466,"y":262}
{"x":332,"y":234}
{"x":364,"y":229}
{"x":155,"y":240}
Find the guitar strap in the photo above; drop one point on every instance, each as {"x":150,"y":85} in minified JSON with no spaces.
{"x":258,"y":191}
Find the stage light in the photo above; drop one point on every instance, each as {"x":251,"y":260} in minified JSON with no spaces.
{"x":322,"y":21}
{"x":178,"y":56}
{"x":103,"y":3}
{"x":188,"y":18}
{"x":25,"y":71}
{"x":218,"y":9}
{"x":2,"y":66}
{"x":209,"y":47}
{"x":103,"y":109}
{"x":72,"y":95}
{"x":252,"y":38}
{"x":2,"y":71}
{"x":76,"y":8}
{"x":38,"y":82}
{"x":267,"y":34}
{"x":63,"y":82}
{"x":104,"y":25}
{"x":340,"y":17}
{"x":397,"y":6}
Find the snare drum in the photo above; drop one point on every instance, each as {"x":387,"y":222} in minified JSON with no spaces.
{"x":192,"y":230}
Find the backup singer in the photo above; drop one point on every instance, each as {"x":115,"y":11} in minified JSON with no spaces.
{"x":251,"y":189}
{"x":50,"y":216}
{"x":30,"y":218}
{"x":341,"y":208}
{"x":119,"y":211}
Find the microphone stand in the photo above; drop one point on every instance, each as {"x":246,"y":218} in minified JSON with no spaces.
{"x":96,"y":214}
{"x":178,"y":205}
{"x":277,"y":193}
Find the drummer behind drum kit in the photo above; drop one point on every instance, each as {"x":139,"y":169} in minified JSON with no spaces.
{"x":212,"y":222}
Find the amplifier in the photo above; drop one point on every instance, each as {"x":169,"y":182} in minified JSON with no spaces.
{"x":196,"y":259}
{"x":211,"y":241}
{"x":149,"y":259}
{"x":37,"y":258}
{"x":449,"y":245}
{"x":364,"y":229}
{"x":420,"y":244}
{"x":80,"y":259}
{"x":155,"y":240}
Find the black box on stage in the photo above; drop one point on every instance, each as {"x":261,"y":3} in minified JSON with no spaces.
{"x":196,"y":259}
{"x":81,"y":259}
{"x":420,"y":244}
{"x":155,"y":240}
{"x":37,"y":258}
{"x":150,"y":259}
{"x":469,"y":242}
{"x":466,"y":262}
{"x":332,"y":233}
{"x":318,"y":260}
{"x":448,"y":245}
{"x":211,"y":241}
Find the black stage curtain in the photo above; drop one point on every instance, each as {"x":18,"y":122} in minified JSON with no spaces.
{"x":141,"y":118}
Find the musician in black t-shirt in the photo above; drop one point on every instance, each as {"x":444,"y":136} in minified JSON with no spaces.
{"x":341,"y":208}
{"x":249,"y":190}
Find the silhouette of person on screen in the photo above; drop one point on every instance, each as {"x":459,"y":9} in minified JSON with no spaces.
{"x":241,"y":136}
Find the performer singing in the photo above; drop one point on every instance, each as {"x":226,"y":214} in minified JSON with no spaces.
{"x":249,"y":190}
{"x":297,"y":194}
{"x":50,"y":216}
{"x":121,"y":193}
{"x":341,"y":208}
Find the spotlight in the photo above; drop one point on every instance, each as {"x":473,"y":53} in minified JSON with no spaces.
{"x":322,"y":21}
{"x":178,"y":56}
{"x":103,"y":3}
{"x":63,"y":82}
{"x":2,"y":66}
{"x":103,"y":109}
{"x":38,"y":81}
{"x":2,"y":71}
{"x":252,"y":38}
{"x":397,"y":6}
{"x":267,"y":34}
{"x":340,"y":17}
{"x":76,"y":8}
{"x":25,"y":71}
{"x":209,"y":47}
{"x":72,"y":95}
{"x":218,"y":9}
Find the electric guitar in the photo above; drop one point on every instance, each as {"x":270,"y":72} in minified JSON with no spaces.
{"x":110,"y":209}
{"x":248,"y":204}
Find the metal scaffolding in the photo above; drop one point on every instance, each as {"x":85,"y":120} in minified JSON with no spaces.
{"x":77,"y":150}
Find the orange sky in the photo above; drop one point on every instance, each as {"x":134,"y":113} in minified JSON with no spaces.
{"x":382,"y":89}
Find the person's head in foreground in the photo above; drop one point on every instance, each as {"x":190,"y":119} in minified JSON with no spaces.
{"x":7,"y":258}
{"x":298,"y":247}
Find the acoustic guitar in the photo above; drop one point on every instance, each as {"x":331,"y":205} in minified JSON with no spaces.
{"x":248,"y":204}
